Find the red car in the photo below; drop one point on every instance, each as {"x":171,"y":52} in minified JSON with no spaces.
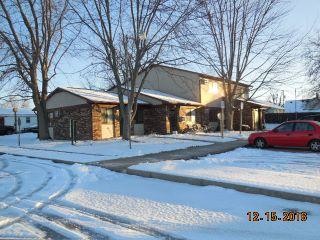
{"x":299,"y":133}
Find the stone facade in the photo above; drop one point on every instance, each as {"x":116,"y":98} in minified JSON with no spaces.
{"x":156,"y":120}
{"x":88,"y":121}
{"x":59,"y":120}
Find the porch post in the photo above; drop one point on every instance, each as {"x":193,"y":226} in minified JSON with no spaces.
{"x":222,"y":118}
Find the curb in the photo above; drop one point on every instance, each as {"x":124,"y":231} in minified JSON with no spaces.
{"x":41,"y":158}
{"x":238,"y":187}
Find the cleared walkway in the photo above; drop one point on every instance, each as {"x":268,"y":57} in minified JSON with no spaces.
{"x":122,"y":164}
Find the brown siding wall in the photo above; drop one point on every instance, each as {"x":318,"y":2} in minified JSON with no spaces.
{"x":61,"y":123}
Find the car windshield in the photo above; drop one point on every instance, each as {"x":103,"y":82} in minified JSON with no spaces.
{"x":318,"y":123}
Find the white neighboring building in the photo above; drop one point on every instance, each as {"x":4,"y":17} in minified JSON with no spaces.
{"x":311,"y":105}
{"x":27,"y":116}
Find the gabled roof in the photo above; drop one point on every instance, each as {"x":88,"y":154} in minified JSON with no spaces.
{"x":21,"y":111}
{"x":168,"y":98}
{"x":265,"y":104}
{"x":95,"y":96}
{"x":304,"y":105}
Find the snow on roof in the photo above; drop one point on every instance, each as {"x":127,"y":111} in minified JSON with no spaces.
{"x":167,"y":97}
{"x":265,"y":104}
{"x":304,"y":105}
{"x":21,"y":111}
{"x":97,"y":96}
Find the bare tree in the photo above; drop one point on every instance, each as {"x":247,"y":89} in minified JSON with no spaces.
{"x":240,"y":41}
{"x":33,"y":33}
{"x":313,"y":63}
{"x":128,"y":37}
{"x":277,"y":97}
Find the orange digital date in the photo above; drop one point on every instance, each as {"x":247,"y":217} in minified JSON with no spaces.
{"x":287,"y":216}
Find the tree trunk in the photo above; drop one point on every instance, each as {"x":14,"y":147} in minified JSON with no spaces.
{"x":125,"y":125}
{"x":43,"y":122}
{"x":229,"y":112}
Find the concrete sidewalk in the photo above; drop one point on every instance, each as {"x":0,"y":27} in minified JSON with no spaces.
{"x":122,"y":164}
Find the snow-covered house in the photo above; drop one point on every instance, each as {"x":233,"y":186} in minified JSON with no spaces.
{"x":172,"y":100}
{"x":97,"y":113}
{"x":206,"y":90}
{"x":297,"y":109}
{"x":311,"y":105}
{"x":27,"y":116}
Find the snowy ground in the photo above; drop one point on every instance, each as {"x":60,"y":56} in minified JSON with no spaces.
{"x":46,"y":200}
{"x":88,"y":151}
{"x":228,"y":134}
{"x":286,"y":171}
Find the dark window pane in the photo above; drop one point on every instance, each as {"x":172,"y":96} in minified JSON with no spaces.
{"x":304,"y":127}
{"x":287,"y":127}
{"x":107,"y":115}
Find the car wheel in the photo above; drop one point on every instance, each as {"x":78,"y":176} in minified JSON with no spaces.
{"x":315,"y":145}
{"x":260,"y":143}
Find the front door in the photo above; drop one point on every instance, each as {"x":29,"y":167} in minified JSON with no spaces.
{"x":173,"y":119}
{"x":107,"y":123}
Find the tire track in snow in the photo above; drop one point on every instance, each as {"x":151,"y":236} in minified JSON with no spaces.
{"x":4,"y":164}
{"x":49,"y":232}
{"x":71,"y":225}
{"x":17,"y":184}
{"x":36,"y":190}
{"x":51,"y":198}
{"x":120,"y":221}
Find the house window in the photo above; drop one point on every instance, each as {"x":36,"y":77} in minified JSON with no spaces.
{"x":107,"y":115}
{"x":191,"y":115}
{"x":56,"y":113}
{"x":213,"y":87}
{"x":51,"y":115}
{"x":27,"y":119}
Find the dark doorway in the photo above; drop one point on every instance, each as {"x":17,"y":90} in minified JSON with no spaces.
{"x":173,"y":118}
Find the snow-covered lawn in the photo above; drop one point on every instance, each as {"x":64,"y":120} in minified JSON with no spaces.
{"x":286,"y":171}
{"x":228,"y":134}
{"x":46,"y":200}
{"x":88,"y":151}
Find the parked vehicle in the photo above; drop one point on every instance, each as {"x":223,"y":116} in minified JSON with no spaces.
{"x":33,"y":129}
{"x":299,"y":133}
{"x":6,"y":130}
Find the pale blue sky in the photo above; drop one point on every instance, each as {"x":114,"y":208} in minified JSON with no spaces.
{"x":304,"y":18}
